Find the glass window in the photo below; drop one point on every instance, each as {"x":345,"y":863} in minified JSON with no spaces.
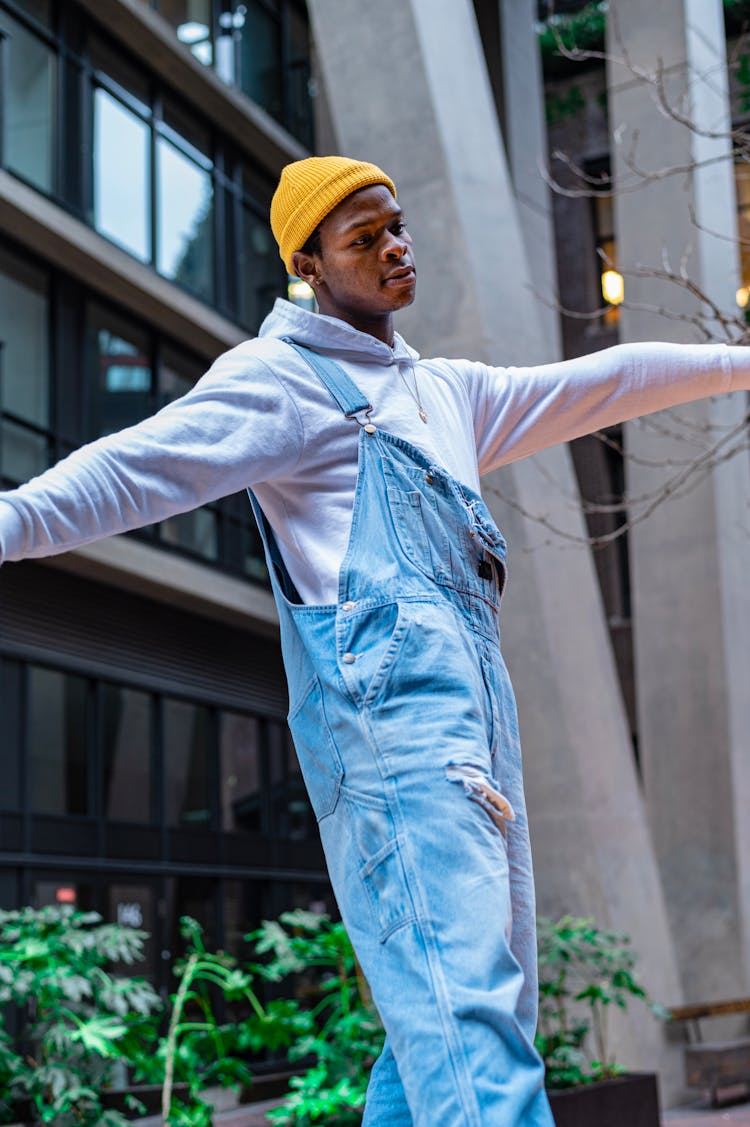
{"x":121,"y":175}
{"x":177,"y":374}
{"x":125,"y":726}
{"x":119,"y":371}
{"x":299,"y":115}
{"x":23,"y":454}
{"x":191,"y":19}
{"x":40,"y":10}
{"x":187,"y":756}
{"x":134,"y":905}
{"x":24,"y":312}
{"x":129,"y":82}
{"x":196,"y":532}
{"x":57,"y":889}
{"x":24,"y":367}
{"x":241,"y":779}
{"x":245,"y":905}
{"x":10,"y":695}
{"x":185,"y":220}
{"x":261,"y":269}
{"x":612,"y":288}
{"x":28,"y":110}
{"x":252,"y":556}
{"x":292,"y":814}
{"x":57,"y":724}
{"x":260,"y":58}
{"x":742,"y":189}
{"x":196,"y":897}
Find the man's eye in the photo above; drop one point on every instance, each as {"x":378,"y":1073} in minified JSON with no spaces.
{"x":399,"y":227}
{"x":361,"y":241}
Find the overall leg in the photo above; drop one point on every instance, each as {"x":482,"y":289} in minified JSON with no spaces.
{"x":435,"y":888}
{"x":433,"y":885}
{"x":386,"y":1099}
{"x":430,"y":914}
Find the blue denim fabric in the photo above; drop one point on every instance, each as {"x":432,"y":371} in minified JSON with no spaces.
{"x":405,"y":724}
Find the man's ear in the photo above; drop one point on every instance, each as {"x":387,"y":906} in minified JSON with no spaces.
{"x":306,"y":268}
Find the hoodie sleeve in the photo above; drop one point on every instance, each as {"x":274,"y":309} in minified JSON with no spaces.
{"x":236,"y":427}
{"x":519,"y":411}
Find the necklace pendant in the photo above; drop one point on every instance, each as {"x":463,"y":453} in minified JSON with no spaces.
{"x":422,"y":414}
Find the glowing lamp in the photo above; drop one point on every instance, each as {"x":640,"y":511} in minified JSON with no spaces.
{"x":300,"y":291}
{"x":613,"y":287}
{"x":191,"y":32}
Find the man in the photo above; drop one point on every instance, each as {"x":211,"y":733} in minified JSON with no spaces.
{"x":364,"y":464}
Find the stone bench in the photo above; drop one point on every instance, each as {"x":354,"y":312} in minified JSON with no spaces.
{"x":714,"y":1065}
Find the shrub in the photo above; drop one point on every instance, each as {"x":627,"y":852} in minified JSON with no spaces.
{"x":583,"y":972}
{"x":336,"y":1025}
{"x":77,"y":1016}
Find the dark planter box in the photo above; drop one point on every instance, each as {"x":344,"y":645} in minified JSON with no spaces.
{"x":112,"y":1098}
{"x":627,"y":1101}
{"x":148,"y":1094}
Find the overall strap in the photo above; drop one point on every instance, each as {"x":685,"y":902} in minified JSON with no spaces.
{"x":346,"y":393}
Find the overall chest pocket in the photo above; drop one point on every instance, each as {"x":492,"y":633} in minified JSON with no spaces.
{"x":417,"y":520}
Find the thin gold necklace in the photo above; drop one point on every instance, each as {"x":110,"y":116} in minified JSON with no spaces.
{"x":414,"y":394}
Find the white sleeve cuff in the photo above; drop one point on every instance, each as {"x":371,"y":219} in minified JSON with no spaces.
{"x":739,"y":359}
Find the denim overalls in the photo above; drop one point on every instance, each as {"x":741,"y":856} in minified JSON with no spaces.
{"x":404,"y":721}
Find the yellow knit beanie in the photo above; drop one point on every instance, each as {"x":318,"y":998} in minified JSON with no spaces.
{"x":309,"y":189}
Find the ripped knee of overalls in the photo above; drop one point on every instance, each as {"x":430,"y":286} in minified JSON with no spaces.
{"x":482,"y":790}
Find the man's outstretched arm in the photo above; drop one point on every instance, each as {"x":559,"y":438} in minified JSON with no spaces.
{"x":519,"y":411}
{"x":236,"y":427}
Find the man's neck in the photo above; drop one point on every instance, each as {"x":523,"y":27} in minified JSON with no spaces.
{"x":380,"y":327}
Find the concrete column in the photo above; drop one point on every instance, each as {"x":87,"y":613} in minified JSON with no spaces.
{"x":409,"y":89}
{"x":525,"y":137}
{"x":690,"y":561}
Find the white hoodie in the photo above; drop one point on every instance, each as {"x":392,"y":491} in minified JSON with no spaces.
{"x":260,"y":417}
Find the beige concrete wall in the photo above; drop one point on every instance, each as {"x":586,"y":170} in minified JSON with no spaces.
{"x":444,"y":149}
{"x":689,"y":562}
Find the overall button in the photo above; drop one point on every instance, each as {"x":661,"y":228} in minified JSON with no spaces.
{"x":370,"y":428}
{"x":429,"y":478}
{"x":348,"y":605}
{"x":348,"y":658}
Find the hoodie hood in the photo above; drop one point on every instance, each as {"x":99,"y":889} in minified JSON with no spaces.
{"x":329,"y":334}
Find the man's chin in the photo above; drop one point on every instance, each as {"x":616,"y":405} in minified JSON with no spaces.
{"x":405,"y":299}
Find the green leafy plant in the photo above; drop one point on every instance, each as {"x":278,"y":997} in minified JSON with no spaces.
{"x":584,"y":31}
{"x":583,"y":972}
{"x":197,"y":1048}
{"x":78,"y":1017}
{"x":332,"y":1020}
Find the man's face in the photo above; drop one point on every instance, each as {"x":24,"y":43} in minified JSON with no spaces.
{"x":366,"y":270}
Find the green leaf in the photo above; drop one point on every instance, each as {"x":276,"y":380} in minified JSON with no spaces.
{"x":99,"y":1034}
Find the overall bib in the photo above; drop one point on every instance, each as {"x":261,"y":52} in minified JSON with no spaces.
{"x":404,"y":720}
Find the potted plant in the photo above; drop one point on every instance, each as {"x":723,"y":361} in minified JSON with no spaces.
{"x":583,"y":972}
{"x":76,"y":1016}
{"x":199,"y":1057}
{"x":330,"y":1021}
{"x":334,"y":1028}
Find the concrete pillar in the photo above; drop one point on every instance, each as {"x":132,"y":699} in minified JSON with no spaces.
{"x":525,"y":137}
{"x":691,"y":559}
{"x":409,"y":90}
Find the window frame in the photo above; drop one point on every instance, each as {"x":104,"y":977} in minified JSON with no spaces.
{"x":73,"y":37}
